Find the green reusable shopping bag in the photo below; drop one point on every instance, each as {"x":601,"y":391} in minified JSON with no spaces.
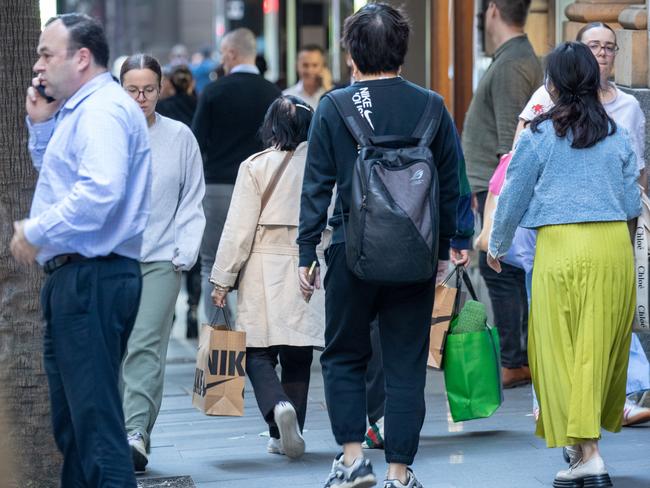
{"x":471,"y":367}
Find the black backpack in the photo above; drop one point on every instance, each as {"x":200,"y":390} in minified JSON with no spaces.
{"x":392,"y":230}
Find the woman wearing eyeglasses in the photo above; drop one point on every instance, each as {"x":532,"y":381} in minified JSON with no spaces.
{"x":170,"y":245}
{"x":620,"y":106}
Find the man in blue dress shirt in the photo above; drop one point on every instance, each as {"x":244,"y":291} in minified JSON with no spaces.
{"x":90,"y":146}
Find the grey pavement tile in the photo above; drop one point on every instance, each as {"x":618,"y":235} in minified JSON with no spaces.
{"x":499,"y":452}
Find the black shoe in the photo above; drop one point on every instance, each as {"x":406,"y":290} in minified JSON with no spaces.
{"x":192,"y":323}
{"x":359,"y":475}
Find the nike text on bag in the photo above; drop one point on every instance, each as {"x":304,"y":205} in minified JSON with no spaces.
{"x":392,"y":229}
{"x":220,"y":374}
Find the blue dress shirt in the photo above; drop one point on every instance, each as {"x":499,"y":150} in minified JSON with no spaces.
{"x":93,"y":190}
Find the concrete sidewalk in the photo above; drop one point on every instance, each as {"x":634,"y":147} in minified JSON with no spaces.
{"x":491,"y":453}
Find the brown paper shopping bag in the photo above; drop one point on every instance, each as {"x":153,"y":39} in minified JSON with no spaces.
{"x":220,"y":374}
{"x":443,"y":310}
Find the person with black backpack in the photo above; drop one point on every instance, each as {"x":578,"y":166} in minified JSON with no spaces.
{"x":392,"y":149}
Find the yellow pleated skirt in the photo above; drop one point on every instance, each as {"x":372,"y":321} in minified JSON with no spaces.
{"x":580,"y":326}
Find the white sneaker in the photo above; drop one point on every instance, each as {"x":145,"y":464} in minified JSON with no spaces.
{"x":591,"y":473}
{"x":138,"y":451}
{"x":291,"y":439}
{"x":634,"y":414}
{"x":274,"y":446}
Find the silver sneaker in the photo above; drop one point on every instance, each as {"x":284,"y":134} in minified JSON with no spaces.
{"x":572,"y":454}
{"x":291,"y":440}
{"x":644,"y":401}
{"x":138,"y":451}
{"x":359,"y":475}
{"x":274,"y":446}
{"x":411,"y":481}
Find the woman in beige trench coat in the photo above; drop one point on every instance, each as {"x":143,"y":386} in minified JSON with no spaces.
{"x":258,"y":244}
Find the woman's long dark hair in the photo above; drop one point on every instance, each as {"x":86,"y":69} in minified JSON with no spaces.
{"x":286,"y":123}
{"x":574,"y":77}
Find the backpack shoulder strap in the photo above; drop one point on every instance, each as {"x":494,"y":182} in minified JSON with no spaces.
{"x":357,"y":125}
{"x":427,"y":127}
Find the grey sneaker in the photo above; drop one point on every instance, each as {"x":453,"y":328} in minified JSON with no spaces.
{"x":291,"y":440}
{"x":138,"y":451}
{"x":412,"y":481}
{"x":359,"y":475}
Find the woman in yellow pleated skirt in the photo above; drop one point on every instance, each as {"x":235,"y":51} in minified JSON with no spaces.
{"x":573,"y":178}
{"x":580,"y":327}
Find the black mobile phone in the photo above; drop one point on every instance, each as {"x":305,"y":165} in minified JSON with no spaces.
{"x":41,"y":91}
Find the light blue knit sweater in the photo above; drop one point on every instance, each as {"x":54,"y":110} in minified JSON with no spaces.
{"x":548,"y":182}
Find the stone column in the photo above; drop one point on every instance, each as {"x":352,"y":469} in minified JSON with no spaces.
{"x":632,"y":59}
{"x":537,"y":27}
{"x":581,"y":12}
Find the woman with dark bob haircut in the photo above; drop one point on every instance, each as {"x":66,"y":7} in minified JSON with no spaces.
{"x":583,"y":290}
{"x":258,"y":247}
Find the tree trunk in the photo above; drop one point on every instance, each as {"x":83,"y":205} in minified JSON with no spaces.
{"x":24,"y":405}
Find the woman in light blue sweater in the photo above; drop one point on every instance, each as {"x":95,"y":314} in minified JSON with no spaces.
{"x":583,"y":280}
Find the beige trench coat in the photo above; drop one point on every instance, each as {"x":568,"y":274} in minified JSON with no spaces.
{"x":262,"y":249}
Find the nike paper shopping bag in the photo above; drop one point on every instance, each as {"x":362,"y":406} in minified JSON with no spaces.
{"x":220,"y":374}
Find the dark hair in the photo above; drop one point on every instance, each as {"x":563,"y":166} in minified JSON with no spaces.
{"x":286,"y":123}
{"x":181,"y":78}
{"x":593,"y":25}
{"x":312,"y":48}
{"x":85,"y":32}
{"x":260,"y":62}
{"x":377,"y":38}
{"x":513,"y":12}
{"x":573,"y":71}
{"x":141,"y":61}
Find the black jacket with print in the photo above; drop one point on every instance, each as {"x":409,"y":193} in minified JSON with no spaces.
{"x":394,"y":107}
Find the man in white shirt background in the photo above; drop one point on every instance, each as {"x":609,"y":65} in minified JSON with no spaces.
{"x":314,"y":77}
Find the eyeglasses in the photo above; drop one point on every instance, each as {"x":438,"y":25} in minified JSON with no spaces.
{"x":148,"y":92}
{"x":595,"y":46}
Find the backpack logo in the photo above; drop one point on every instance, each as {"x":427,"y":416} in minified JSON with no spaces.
{"x":416,"y":179}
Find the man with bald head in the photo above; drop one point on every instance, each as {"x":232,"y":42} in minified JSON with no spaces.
{"x":228,"y":116}
{"x":90,"y":145}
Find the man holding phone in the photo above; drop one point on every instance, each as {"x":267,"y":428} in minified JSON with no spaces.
{"x":315,"y":78}
{"x":91,"y":149}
